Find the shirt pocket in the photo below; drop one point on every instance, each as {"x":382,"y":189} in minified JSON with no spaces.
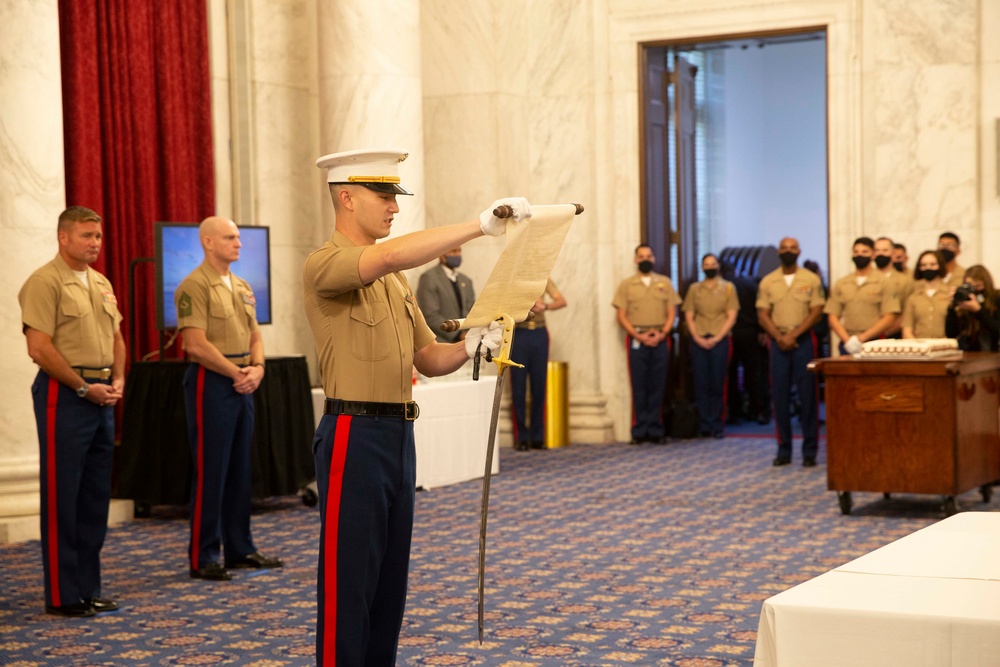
{"x":74,"y":320}
{"x":371,"y":330}
{"x":219,"y":307}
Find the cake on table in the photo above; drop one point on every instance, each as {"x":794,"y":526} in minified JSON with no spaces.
{"x":910,"y":348}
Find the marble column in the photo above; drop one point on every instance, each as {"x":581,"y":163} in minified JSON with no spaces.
{"x":370,"y":90}
{"x":32,"y":194}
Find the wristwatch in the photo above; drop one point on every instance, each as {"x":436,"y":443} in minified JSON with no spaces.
{"x":82,"y":391}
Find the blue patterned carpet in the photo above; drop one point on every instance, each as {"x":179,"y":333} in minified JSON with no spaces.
{"x":598,"y":555}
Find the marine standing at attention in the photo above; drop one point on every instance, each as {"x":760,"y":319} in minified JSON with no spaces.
{"x":70,"y":319}
{"x":369,"y":335}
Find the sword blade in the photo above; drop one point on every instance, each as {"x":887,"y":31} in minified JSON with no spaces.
{"x":487,"y":476}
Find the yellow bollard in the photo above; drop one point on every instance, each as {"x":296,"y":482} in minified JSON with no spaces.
{"x":557,"y":404}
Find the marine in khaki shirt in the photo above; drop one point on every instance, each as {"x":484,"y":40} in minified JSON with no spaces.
{"x":647,"y":307}
{"x":862,"y":305}
{"x":710,"y":302}
{"x":366,"y":335}
{"x":789,"y":302}
{"x":899,"y":283}
{"x":227,"y":316}
{"x":927,"y":307}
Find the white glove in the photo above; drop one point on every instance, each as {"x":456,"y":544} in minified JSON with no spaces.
{"x":494,"y":226}
{"x":491,"y":336}
{"x":853,"y":345}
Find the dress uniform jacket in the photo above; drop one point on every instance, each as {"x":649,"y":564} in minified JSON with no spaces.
{"x":220,"y":420}
{"x":439,"y":303}
{"x":76,"y":437}
{"x":861,"y":306}
{"x":926,"y":314}
{"x":366,"y":336}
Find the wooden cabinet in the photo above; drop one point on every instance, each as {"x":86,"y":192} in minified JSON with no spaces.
{"x":929,"y":426}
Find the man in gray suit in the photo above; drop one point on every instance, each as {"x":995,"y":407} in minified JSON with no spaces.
{"x":445,"y":294}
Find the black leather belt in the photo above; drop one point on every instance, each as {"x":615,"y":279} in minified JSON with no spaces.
{"x":93,"y":373}
{"x":408,"y":410}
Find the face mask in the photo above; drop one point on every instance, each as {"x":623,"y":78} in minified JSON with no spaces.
{"x":711,"y":273}
{"x":789,"y":258}
{"x":645,"y":266}
{"x":946,"y":255}
{"x":452,"y":261}
{"x":929,"y":274}
{"x":898,"y":266}
{"x":861,"y":262}
{"x":882,"y":261}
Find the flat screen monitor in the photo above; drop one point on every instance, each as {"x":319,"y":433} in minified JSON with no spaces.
{"x":179,"y":252}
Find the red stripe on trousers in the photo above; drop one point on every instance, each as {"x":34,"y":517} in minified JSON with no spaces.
{"x":52,"y":515}
{"x":199,"y":466}
{"x":335,"y":486}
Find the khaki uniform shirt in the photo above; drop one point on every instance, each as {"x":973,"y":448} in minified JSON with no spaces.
{"x":646,"y":307}
{"x":366,"y":335}
{"x":926,"y":314}
{"x":860,"y":306}
{"x":789,"y":304}
{"x":228,"y":318}
{"x":538,"y":320}
{"x":82,"y":321}
{"x":956,"y":277}
{"x":902,"y":284}
{"x":710,"y":305}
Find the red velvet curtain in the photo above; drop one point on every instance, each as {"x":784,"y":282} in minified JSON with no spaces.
{"x":138,"y":133}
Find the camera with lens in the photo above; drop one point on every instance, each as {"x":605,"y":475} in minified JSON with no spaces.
{"x":962,"y":294}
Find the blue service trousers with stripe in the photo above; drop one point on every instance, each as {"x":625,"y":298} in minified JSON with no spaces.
{"x":220,"y":430}
{"x":647,"y":369}
{"x":710,"y":369}
{"x":531,"y":348}
{"x":366,"y":476}
{"x":76,"y":446}
{"x":787,"y":369}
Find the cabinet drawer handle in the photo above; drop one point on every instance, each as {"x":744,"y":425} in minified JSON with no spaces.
{"x":887,"y":397}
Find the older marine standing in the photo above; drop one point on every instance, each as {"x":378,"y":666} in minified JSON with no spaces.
{"x":646,"y":305}
{"x":370,"y":334}
{"x":217,"y":318}
{"x":70,"y":319}
{"x":789,"y":302}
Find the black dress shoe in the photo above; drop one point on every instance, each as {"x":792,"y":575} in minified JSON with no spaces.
{"x":636,"y":441}
{"x":538,"y":445}
{"x":77,"y":610}
{"x":102,"y":605}
{"x":809,"y":462}
{"x":255,"y":560}
{"x":213,"y":572}
{"x":718,"y":435}
{"x":523,"y":446}
{"x":763,"y":419}
{"x":780,"y":461}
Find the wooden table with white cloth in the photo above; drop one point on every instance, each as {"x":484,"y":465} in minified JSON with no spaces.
{"x":930,"y":599}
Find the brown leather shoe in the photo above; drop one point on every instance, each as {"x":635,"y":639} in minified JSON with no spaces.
{"x":254,"y":560}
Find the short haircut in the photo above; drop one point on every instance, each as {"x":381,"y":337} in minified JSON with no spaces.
{"x":76,"y":214}
{"x":640,"y":247}
{"x":899,"y":246}
{"x":709,"y":254}
{"x":950,"y":235}
{"x":884,"y":238}
{"x":865,"y":241}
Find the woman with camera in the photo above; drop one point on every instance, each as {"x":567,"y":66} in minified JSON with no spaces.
{"x":929,"y":302}
{"x":974,"y":316}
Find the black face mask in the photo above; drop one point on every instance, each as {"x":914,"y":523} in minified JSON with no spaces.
{"x":882,"y":261}
{"x":929,"y":274}
{"x":946,"y":255}
{"x":898,"y":266}
{"x":645,"y":266}
{"x":861,"y":262}
{"x":789,"y":258}
{"x":711,"y":273}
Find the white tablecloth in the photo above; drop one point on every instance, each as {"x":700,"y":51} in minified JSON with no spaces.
{"x":451,"y":432}
{"x":930,"y":599}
